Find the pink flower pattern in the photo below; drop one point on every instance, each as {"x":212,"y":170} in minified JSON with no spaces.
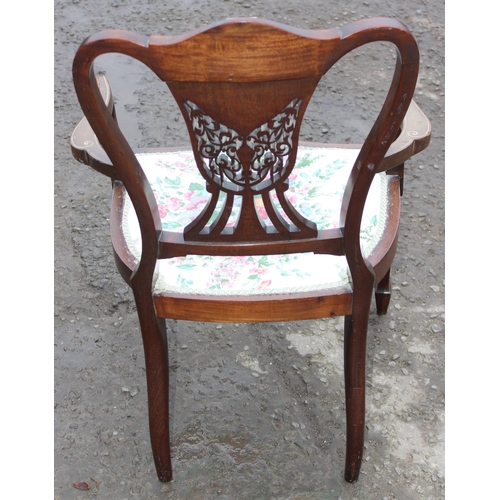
{"x":316,"y":189}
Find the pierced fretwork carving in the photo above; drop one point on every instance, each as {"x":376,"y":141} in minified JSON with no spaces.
{"x":218,"y":146}
{"x":272,"y":145}
{"x":268,"y":168}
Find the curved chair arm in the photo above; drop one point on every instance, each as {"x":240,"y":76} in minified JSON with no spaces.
{"x":414,"y":137}
{"x":84,"y":143}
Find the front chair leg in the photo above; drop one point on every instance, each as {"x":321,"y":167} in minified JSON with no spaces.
{"x":383,"y":294}
{"x":355,"y":333}
{"x":154,"y":336}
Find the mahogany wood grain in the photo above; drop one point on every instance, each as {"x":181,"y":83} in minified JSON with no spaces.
{"x":251,"y":309}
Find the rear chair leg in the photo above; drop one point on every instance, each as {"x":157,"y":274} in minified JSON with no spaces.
{"x":355,"y":334}
{"x":383,"y":294}
{"x":154,"y":335}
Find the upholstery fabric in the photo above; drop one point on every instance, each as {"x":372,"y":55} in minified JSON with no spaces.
{"x":316,"y":188}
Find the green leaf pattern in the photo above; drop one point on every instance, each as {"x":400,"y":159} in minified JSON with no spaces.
{"x":316,"y":188}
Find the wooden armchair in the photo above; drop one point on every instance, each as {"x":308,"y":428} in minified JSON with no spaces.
{"x":250,"y":226}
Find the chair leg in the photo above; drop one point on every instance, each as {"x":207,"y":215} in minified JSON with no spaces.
{"x":154,"y":335}
{"x":383,"y":294}
{"x":355,"y":333}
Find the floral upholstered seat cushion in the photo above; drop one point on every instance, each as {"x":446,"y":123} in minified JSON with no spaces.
{"x":317,"y":185}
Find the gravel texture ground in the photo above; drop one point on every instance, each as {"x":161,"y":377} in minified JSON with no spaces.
{"x":257,"y":410}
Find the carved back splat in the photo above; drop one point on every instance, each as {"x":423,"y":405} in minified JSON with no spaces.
{"x":245,"y":153}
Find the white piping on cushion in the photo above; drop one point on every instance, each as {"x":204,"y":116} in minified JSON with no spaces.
{"x":132,"y":237}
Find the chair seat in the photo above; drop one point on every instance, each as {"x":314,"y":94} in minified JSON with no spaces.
{"x":316,"y":188}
